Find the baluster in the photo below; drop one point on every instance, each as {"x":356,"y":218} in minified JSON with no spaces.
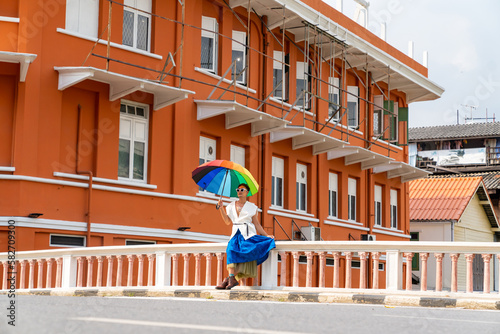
{"x":208,"y":272}
{"x":468,"y":280}
{"x":32,"y":274}
{"x":362,"y":269}
{"x":322,"y":265}
{"x":48,"y":283}
{"x":283,"y":256}
{"x":197,"y":269}
{"x":219,"y":267}
{"x":109,"y":278}
{"x":348,"y":261}
{"x":486,"y":278}
{"x":130,"y":272}
{"x":336,"y":269}
{"x":295,"y":256}
{"x":186,"y":257}
{"x":439,"y":271}
{"x":423,"y":279}
{"x":376,"y":258}
{"x":23,"y":273}
{"x":454,"y":278}
{"x":59,"y":263}
{"x":79,"y":282}
{"x":100,"y":260}
{"x":409,"y":258}
{"x":175,"y":269}
{"x":309,"y":269}
{"x":90,"y":270}
{"x":150,"y":269}
{"x":39,"y":282}
{"x":119,"y":270}
{"x":140,"y":269}
{"x":4,"y":280}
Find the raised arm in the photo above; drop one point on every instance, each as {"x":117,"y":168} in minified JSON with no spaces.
{"x":223,"y":213}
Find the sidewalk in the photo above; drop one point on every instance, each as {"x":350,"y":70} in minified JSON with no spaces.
{"x":316,"y":295}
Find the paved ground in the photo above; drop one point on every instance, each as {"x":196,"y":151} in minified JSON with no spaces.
{"x":57,"y":314}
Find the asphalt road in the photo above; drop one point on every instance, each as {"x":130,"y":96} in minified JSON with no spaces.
{"x":73,"y":315}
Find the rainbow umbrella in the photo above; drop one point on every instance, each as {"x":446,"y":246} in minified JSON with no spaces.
{"x":222,"y":177}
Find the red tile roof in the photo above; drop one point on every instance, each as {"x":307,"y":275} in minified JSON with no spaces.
{"x":441,"y":199}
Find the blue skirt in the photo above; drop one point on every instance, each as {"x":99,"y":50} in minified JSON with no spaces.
{"x":255,"y":248}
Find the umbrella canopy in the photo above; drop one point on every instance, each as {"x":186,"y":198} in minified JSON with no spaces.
{"x":222,"y":177}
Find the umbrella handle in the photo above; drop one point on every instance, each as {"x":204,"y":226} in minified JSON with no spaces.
{"x":223,"y":185}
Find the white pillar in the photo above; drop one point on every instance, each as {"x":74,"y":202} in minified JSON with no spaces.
{"x":394,"y":268}
{"x":162,"y":269}
{"x":270,"y":271}
{"x":69,"y":267}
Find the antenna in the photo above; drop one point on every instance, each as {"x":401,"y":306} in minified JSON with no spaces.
{"x":471,"y":107}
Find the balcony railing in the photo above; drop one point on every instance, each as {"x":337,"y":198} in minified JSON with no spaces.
{"x":161,"y":266}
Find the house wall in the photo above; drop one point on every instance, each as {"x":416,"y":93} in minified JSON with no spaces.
{"x":473,"y":227}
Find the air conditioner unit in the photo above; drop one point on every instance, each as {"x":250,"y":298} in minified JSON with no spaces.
{"x":368,"y":237}
{"x":311,"y":233}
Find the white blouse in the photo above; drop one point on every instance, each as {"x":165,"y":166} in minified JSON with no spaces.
{"x":243,"y":221}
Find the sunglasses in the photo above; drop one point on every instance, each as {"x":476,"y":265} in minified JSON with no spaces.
{"x":241,"y":189}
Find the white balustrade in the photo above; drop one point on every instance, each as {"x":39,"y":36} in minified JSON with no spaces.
{"x":351,"y":262}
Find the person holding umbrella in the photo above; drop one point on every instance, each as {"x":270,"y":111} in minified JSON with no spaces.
{"x":249,"y":245}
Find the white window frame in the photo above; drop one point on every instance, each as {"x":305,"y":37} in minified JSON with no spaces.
{"x":352,"y":192}
{"x":301,"y":75}
{"x":279,"y":65}
{"x":333,"y":187}
{"x":378,"y":205}
{"x":210,"y":30}
{"x":208,"y":149}
{"x":68,"y":236}
{"x":143,"y":7}
{"x":139,"y":242}
{"x":301,"y":188}
{"x":82,"y":16}
{"x":239,"y":45}
{"x":278,"y":173}
{"x":378,"y":109}
{"x":238,"y":154}
{"x":333,"y":89}
{"x":135,"y":136}
{"x":395,"y":122}
{"x":394,"y":209}
{"x":353,"y":99}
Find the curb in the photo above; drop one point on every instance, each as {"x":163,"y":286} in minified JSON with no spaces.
{"x":478,"y":302}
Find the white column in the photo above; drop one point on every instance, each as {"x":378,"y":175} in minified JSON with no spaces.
{"x":69,"y":267}
{"x":270,"y":271}
{"x":162,"y":269}
{"x":394,"y":266}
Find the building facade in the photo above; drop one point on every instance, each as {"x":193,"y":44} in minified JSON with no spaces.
{"x":108,"y":106}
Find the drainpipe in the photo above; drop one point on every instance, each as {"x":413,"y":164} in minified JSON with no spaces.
{"x":89,"y":173}
{"x":264,"y":109}
{"x":453,"y":222}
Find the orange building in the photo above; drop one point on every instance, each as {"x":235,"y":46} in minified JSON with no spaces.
{"x":107,"y":107}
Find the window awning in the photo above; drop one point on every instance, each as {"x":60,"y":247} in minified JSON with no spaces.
{"x":406,"y":172}
{"x":304,"y":137}
{"x":24,"y":60}
{"x":121,"y":85}
{"x":355,"y":154}
{"x":237,"y":115}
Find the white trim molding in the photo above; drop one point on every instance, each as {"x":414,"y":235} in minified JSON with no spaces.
{"x":215,"y":76}
{"x":9,"y":19}
{"x":104,"y":180}
{"x":346,"y":224}
{"x":7,"y":169}
{"x":295,"y":214}
{"x":394,"y":233}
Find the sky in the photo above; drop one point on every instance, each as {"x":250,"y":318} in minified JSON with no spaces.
{"x":463,"y":45}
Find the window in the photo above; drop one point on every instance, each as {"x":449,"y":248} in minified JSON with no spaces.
{"x":209,"y":45}
{"x":277,"y":182}
{"x":66,"y":241}
{"x":332,"y":195}
{"x":207,"y":149}
{"x":132,"y":156}
{"x":238,"y":154}
{"x":139,"y":242}
{"x":333,"y":98}
{"x":394,"y":123}
{"x":82,"y":16}
{"x":378,"y":115}
{"x":137,"y":24}
{"x":394,"y":208}
{"x":378,"y":206}
{"x":302,"y":85}
{"x":351,"y":198}
{"x":301,"y":187}
{"x":239,"y":50}
{"x":352,"y":105}
{"x":279,"y":75}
